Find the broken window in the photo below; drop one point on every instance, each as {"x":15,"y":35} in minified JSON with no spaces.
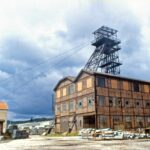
{"x":136,"y":87}
{"x":117,"y":101}
{"x":127,"y":103}
{"x":101,"y":100}
{"x":101,"y":81}
{"x":147,"y":104}
{"x":137,"y":103}
{"x":80,"y":104}
{"x":114,"y":101}
{"x":90,"y":102}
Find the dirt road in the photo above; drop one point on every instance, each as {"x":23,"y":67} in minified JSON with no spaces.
{"x":72,"y":143}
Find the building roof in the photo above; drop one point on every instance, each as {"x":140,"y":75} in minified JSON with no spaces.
{"x":70,"y":78}
{"x":74,"y":79}
{"x":121,"y":77}
{"x":3,"y":106}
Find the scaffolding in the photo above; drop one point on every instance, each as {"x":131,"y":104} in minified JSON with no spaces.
{"x":106,"y":53}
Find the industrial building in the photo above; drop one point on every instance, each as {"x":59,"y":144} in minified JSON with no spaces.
{"x":3,"y":117}
{"x":102,"y":99}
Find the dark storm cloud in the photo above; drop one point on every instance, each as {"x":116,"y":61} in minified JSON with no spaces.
{"x":29,"y":89}
{"x":25,"y":93}
{"x":16,"y":48}
{"x":29,"y":93}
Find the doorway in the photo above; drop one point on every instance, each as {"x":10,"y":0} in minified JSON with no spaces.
{"x":1,"y":128}
{"x":89,"y":121}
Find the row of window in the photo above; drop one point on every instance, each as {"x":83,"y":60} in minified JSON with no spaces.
{"x":117,"y":102}
{"x":125,"y":118}
{"x":72,"y":105}
{"x":140,"y":121}
{"x":125,"y":85}
{"x":72,"y":88}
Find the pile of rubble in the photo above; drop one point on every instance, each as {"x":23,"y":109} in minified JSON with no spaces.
{"x":16,"y":133}
{"x":38,"y":128}
{"x":109,"y":134}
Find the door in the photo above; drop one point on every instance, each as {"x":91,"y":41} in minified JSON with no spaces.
{"x":1,"y":128}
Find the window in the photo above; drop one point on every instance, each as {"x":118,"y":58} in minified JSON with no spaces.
{"x":58,"y":109}
{"x":101,"y":82}
{"x":80,"y":104}
{"x":137,"y":103}
{"x":147,"y":104}
{"x":114,"y":84}
{"x":64,"y":92}
{"x":71,"y":106}
{"x":80,"y":123}
{"x":103,"y":121}
{"x":90,"y":102}
{"x":128,"y":122}
{"x":128,"y":119}
{"x":136,"y":87}
{"x":148,"y":119}
{"x":64,"y":107}
{"x":58,"y":94}
{"x":89,"y":82}
{"x":117,"y":119}
{"x":127,"y":103}
{"x":101,"y":100}
{"x":114,"y":101}
{"x":138,"y":118}
{"x":110,"y":101}
{"x":125,"y":85}
{"x":146,"y":88}
{"x":139,"y":121}
{"x":117,"y":101}
{"x":79,"y":86}
{"x":71,"y":89}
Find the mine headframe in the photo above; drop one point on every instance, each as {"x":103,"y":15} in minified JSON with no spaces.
{"x":106,"y":53}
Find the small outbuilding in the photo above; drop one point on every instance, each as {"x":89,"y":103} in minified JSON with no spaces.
{"x":3,"y":117}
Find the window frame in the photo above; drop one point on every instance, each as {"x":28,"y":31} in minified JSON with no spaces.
{"x":136,"y":87}
{"x":80,"y":106}
{"x":101,"y":82}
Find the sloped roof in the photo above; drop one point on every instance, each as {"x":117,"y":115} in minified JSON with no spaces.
{"x":80,"y":73}
{"x":74,"y":79}
{"x":70,"y":78}
{"x":3,"y":106}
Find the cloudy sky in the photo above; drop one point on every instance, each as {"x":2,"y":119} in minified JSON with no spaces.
{"x":43,"y":40}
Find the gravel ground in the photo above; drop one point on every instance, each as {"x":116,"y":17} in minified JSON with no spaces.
{"x":72,"y":143}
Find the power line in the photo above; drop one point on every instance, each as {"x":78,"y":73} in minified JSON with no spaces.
{"x":35,"y":77}
{"x":41,"y":63}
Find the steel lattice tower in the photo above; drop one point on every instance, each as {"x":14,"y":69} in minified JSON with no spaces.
{"x":105,"y":55}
